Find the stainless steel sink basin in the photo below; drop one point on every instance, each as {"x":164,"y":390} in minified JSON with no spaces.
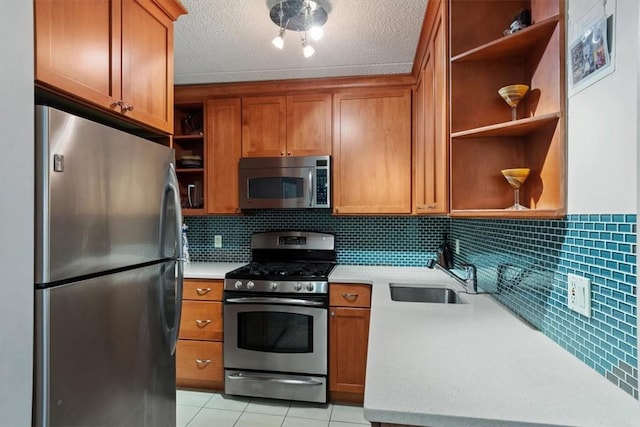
{"x":438,"y":295}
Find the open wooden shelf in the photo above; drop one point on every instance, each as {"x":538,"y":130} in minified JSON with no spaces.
{"x":187,"y":138}
{"x":513,"y":44}
{"x":504,"y":213}
{"x":520,"y":127}
{"x":190,"y":170}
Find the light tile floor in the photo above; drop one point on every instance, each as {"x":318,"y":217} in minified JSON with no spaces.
{"x":200,"y":409}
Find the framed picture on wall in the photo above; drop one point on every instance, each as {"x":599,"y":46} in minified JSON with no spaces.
{"x":591,"y":55}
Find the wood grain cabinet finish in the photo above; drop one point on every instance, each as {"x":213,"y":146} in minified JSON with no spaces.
{"x":294,"y":125}
{"x":199,"y":361}
{"x":224,"y":149}
{"x":113,"y":54}
{"x":349,"y":314}
{"x":431,"y":143}
{"x":484,"y":139}
{"x":372,"y":170}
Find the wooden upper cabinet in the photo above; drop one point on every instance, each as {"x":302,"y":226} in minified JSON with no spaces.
{"x":264,"y":128}
{"x":309,"y":124}
{"x":77,"y":48}
{"x":114,"y":54}
{"x":224,"y":148}
{"x":372,"y":152}
{"x":431,"y":145}
{"x":484,"y":138}
{"x":295,"y":125}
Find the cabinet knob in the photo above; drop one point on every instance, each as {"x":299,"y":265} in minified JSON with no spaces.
{"x":350,"y":296}
{"x":118,"y":103}
{"x":202,"y":323}
{"x":289,"y":153}
{"x":203,"y":361}
{"x":282,"y":153}
{"x":203,"y":291}
{"x":333,"y":314}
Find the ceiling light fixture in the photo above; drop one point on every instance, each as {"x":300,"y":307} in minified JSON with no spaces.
{"x":298,"y":15}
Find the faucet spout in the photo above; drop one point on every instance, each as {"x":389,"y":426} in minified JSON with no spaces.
{"x":469,"y":282}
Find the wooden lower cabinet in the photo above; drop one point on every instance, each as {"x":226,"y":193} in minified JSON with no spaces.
{"x":348,"y":339}
{"x":199,"y":361}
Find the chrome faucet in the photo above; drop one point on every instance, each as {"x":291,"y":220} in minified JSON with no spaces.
{"x":469,"y":282}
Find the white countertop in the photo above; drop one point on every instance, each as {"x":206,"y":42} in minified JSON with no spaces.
{"x":473,"y":364}
{"x":209,"y":270}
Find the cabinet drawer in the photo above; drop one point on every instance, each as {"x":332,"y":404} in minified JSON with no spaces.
{"x":349,"y":295}
{"x":199,"y":360}
{"x":205,"y":290}
{"x":201,"y":320}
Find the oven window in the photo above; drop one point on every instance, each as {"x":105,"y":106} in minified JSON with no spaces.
{"x":278,"y":187}
{"x":275,"y":332}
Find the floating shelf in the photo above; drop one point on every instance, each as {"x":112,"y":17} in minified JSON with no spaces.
{"x":513,"y":44}
{"x":504,"y":213}
{"x":520,"y":127}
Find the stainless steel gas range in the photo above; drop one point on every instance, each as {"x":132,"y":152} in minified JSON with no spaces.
{"x":275,"y":317}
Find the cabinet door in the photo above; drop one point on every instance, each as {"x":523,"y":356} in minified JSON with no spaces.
{"x":77,"y":45}
{"x":348,"y":339}
{"x":224,"y":148}
{"x":372,"y":152}
{"x":431,"y":145}
{"x":201,"y":320}
{"x":309,"y":125}
{"x":264,"y":126}
{"x":147,"y":64}
{"x":199,"y":360}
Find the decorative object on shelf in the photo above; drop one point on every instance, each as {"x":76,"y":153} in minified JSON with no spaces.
{"x":298,"y":15}
{"x":189,"y":161}
{"x":516,"y":177}
{"x":192,"y":124}
{"x":512,"y":95}
{"x":520,"y":21}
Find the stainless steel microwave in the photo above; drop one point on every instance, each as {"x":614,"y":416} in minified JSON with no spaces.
{"x":285,"y":182}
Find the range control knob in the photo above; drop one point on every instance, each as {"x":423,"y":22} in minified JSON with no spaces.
{"x":250,"y":285}
{"x":238,"y":284}
{"x":310,"y":287}
{"x":298,"y":286}
{"x":273,"y":286}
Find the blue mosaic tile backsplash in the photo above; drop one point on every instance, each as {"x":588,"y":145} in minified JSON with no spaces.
{"x":402,"y":241}
{"x":523,"y":263}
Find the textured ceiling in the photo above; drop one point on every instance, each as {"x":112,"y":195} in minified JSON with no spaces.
{"x":230,"y":41}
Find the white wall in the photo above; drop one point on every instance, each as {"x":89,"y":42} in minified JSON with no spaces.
{"x":603,"y":124}
{"x":16,"y":211}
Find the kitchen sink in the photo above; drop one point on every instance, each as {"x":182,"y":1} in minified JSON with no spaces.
{"x":418,"y":293}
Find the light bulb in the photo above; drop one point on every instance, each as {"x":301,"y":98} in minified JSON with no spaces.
{"x":278,"y":42}
{"x":307,"y":50}
{"x":316,"y":32}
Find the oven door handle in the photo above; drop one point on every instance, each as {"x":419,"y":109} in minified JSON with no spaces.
{"x":255,"y":377}
{"x":261,"y":300}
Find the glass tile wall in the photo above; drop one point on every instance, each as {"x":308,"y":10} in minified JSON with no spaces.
{"x":524,"y":263}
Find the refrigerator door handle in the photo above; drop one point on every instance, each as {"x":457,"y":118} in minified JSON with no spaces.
{"x":171,"y":189}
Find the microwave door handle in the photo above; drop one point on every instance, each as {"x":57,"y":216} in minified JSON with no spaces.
{"x":311,"y":187}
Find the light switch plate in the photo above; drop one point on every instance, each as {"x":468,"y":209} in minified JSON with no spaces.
{"x":217,"y":241}
{"x":579,"y":294}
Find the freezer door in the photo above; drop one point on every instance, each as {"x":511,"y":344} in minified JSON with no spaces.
{"x":99,"y":194}
{"x":103,"y":355}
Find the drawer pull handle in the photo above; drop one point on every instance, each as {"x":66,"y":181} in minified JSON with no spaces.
{"x":204,"y":362}
{"x":202,"y":323}
{"x":350,"y":296}
{"x":203,"y":291}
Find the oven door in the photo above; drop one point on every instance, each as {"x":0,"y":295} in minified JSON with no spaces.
{"x":276,"y":188}
{"x":275,"y":334}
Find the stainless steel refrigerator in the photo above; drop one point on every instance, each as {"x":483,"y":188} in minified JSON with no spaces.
{"x":108,"y":275}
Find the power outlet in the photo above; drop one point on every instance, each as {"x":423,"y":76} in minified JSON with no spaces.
{"x":217,"y":241}
{"x":579,"y":294}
